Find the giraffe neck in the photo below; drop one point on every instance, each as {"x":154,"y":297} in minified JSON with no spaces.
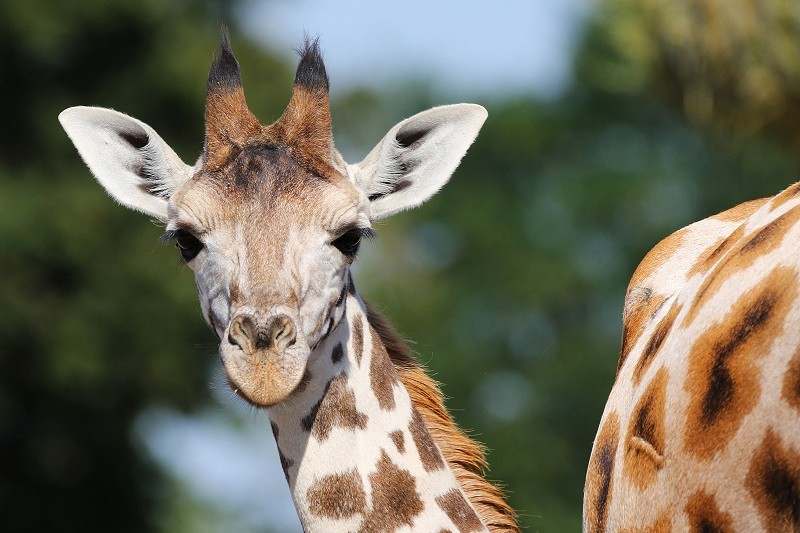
{"x":355,"y":450}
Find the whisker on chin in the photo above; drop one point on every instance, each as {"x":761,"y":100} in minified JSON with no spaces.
{"x":225,"y":395}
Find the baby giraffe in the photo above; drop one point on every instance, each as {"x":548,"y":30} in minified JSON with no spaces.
{"x":270,"y":219}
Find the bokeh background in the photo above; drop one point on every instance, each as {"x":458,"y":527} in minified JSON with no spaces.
{"x":611,"y":124}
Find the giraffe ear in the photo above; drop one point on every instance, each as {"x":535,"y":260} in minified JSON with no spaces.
{"x":129,"y":159}
{"x":417,"y":157}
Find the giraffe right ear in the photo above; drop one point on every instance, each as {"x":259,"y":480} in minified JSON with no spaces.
{"x":129,"y":159}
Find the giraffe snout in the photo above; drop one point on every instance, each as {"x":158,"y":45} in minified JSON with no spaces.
{"x":251,"y":334}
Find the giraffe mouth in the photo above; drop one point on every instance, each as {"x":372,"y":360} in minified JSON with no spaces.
{"x":263,"y":358}
{"x":265,"y":377}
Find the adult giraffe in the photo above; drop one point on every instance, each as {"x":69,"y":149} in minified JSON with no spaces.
{"x":701,"y":431}
{"x":270,"y":219}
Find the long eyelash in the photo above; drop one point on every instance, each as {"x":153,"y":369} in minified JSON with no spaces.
{"x":168,"y":236}
{"x":368,"y":233}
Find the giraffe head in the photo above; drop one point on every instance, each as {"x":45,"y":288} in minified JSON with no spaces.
{"x":270,"y":217}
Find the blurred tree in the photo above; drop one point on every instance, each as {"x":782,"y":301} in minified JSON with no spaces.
{"x":733,"y":64}
{"x":96,"y":322}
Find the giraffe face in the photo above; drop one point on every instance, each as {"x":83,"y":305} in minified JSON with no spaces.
{"x":270,"y":217}
{"x":270,"y":244}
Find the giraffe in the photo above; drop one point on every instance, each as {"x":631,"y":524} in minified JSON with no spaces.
{"x":270,"y":219}
{"x":701,"y":431}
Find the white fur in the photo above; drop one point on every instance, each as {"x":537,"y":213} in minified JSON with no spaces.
{"x":426,"y":164}
{"x":121,"y":168}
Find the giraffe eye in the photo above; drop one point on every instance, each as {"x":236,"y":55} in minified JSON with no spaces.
{"x":349,"y":241}
{"x":188,"y":245}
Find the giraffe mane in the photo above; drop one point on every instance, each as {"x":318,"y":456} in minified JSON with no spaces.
{"x":465,"y":456}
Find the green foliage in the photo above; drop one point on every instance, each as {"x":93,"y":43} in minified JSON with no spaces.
{"x":733,"y":66}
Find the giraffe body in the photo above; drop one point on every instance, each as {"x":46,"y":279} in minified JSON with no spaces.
{"x":270,"y":219}
{"x":701,"y":431}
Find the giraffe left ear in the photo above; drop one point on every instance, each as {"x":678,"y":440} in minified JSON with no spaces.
{"x":417,"y":157}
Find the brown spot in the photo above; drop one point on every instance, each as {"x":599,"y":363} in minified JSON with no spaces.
{"x":722,"y":380}
{"x":458,"y":510}
{"x":337,"y":353}
{"x":712,"y":254}
{"x":640,"y":307}
{"x":655,"y":342}
{"x":426,"y":447}
{"x":337,"y":496}
{"x":395,"y":500}
{"x":358,"y":340}
{"x":705,"y":516}
{"x":773,"y":481}
{"x":662,"y":524}
{"x":336,"y":408}
{"x":285,"y":463}
{"x":644,"y":450}
{"x":399,"y":440}
{"x":599,"y":475}
{"x":382,"y":375}
{"x":741,"y":256}
{"x":790,"y":391}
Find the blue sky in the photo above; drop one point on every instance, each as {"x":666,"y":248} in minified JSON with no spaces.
{"x":464,"y":48}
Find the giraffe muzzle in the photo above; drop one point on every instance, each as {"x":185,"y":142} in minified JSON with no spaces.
{"x":263,"y":358}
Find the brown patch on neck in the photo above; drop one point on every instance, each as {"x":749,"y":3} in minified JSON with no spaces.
{"x":381,"y":378}
{"x":337,"y":496}
{"x":459,"y":511}
{"x":713,"y":253}
{"x":336,"y":408}
{"x":395,"y":500}
{"x":399,"y":440}
{"x":426,"y":446}
{"x":723,"y":381}
{"x":704,"y":514}
{"x":644,"y":450}
{"x":740,"y":255}
{"x":600,"y":475}
{"x":465,"y":456}
{"x":655,"y":342}
{"x":640,"y":306}
{"x":773,"y":480}
{"x":790,"y":391}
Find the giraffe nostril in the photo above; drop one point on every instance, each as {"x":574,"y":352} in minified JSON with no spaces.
{"x":242,"y":333}
{"x":283,"y":332}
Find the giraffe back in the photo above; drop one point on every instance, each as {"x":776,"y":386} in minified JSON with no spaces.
{"x":701,"y":430}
